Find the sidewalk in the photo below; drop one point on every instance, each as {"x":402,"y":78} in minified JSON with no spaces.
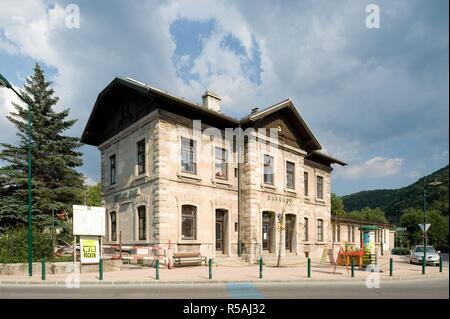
{"x":402,"y":270}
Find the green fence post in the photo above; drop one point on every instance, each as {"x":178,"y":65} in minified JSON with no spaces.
{"x":440,"y":263}
{"x":353,"y":267}
{"x":391,"y":267}
{"x":260,"y":267}
{"x":309,"y":267}
{"x":157,"y":269}
{"x":43,"y":268}
{"x":100,"y":269}
{"x":210,"y":268}
{"x":423,"y":266}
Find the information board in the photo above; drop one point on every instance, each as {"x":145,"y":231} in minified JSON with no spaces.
{"x":90,"y":252}
{"x":88,"y":220}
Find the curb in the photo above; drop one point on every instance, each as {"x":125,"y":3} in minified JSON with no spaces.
{"x":212,"y":281}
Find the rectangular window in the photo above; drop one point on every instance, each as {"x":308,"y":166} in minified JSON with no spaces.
{"x":245,"y":149}
{"x":353,"y":234}
{"x":290,"y":175}
{"x":333,"y":233}
{"x":141,"y":157}
{"x":320,"y":187}
{"x":305,"y":181}
{"x":268,"y":169}
{"x":188,"y":158}
{"x":141,"y":223}
{"x":319,"y":230}
{"x":221,"y":163}
{"x":306,"y":229}
{"x":188,"y":222}
{"x":349,"y":234}
{"x":112,"y":169}
{"x":113,"y":226}
{"x":338,"y":232}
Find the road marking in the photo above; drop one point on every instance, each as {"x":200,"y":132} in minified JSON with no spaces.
{"x":243,"y":291}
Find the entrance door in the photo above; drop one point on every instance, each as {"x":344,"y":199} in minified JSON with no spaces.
{"x":266,"y":231}
{"x":220,"y":247}
{"x":289,"y":233}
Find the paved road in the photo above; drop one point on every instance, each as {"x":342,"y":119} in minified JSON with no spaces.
{"x":433,"y":288}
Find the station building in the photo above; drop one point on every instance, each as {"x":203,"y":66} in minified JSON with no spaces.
{"x":171,"y":178}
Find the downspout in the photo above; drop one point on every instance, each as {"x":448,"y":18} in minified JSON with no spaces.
{"x":239,"y":145}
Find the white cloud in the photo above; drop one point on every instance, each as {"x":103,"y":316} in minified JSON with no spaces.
{"x":377,"y":166}
{"x":89,"y":181}
{"x":7,"y":97}
{"x":355,"y":88}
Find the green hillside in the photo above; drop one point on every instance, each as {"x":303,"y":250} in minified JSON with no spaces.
{"x":394,"y":201}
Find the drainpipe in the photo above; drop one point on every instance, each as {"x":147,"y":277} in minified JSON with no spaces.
{"x":239,"y":144}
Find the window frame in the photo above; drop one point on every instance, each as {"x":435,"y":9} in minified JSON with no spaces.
{"x":306,"y":183}
{"x":305,"y":229}
{"x":112,"y":177}
{"x":113,"y":230}
{"x":319,"y":177}
{"x":353,"y":234}
{"x":141,"y":165}
{"x":224,"y":162}
{"x":319,"y":235}
{"x":288,"y":163}
{"x":193,"y":217}
{"x":193,"y":154}
{"x":272,"y":159}
{"x":142,"y":226}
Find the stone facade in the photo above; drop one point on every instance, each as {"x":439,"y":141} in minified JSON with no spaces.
{"x":163,"y":189}
{"x":249,"y":208}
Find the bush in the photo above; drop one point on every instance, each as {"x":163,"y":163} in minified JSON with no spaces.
{"x":401,"y":251}
{"x":14,"y":245}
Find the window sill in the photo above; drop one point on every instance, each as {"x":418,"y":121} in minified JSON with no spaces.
{"x":189,"y":241}
{"x":188,"y":176}
{"x":268,"y":187}
{"x":290,"y":191}
{"x":223,"y":182}
{"x":320,"y":242}
{"x":139,"y":177}
{"x":111,"y":187}
{"x":320,"y":201}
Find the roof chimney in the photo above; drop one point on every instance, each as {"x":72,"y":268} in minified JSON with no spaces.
{"x":211,"y":101}
{"x":255,"y":110}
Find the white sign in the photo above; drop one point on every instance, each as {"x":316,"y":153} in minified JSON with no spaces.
{"x":89,"y":250}
{"x":424,"y":227}
{"x":88,"y":220}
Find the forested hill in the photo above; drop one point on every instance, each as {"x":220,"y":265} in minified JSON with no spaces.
{"x":394,"y":201}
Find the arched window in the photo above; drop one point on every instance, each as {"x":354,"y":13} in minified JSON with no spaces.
{"x":142,"y":223}
{"x":306,"y":229}
{"x":188,"y":222}
{"x":319,"y":230}
{"x":113,"y":225}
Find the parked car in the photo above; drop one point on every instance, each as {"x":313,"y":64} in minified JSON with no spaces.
{"x":418,"y":252}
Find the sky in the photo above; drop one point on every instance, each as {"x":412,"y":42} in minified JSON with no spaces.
{"x":376,"y":98}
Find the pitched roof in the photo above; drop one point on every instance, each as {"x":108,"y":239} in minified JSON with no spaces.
{"x":203,"y":112}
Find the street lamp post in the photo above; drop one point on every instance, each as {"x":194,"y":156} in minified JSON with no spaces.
{"x":5,"y":83}
{"x":425,"y":241}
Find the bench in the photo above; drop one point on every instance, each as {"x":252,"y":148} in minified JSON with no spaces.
{"x":188,"y":259}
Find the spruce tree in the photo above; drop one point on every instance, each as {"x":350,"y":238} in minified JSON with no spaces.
{"x":55,"y":157}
